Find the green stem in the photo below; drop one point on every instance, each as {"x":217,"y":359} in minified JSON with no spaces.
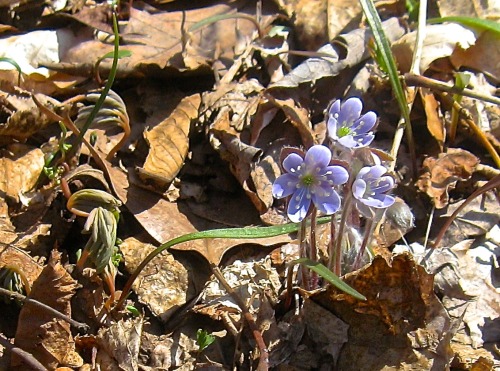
{"x":109,"y":83}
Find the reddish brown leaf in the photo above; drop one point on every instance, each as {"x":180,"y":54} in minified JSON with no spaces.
{"x":442,"y":174}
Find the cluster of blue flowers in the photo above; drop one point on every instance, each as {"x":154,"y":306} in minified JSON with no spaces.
{"x":311,"y":179}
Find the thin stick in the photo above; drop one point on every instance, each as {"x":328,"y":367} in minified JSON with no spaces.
{"x":28,"y":358}
{"x":82,"y":326}
{"x":428,"y":231}
{"x":492,"y":184}
{"x":414,"y":80}
{"x":264,"y":352}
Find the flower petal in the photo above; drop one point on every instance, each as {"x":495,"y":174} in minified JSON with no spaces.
{"x":363,"y":140}
{"x":298,"y":206}
{"x":332,"y":128}
{"x":385,"y":183}
{"x":365,"y":123}
{"x":292,"y":162}
{"x":374,"y":172}
{"x":348,"y":141}
{"x":335,"y":175}
{"x":358,"y":188}
{"x":334,"y":109}
{"x":350,"y":111}
{"x":379,"y":201}
{"x":285,"y":185}
{"x":318,"y":156}
{"x":327,"y":201}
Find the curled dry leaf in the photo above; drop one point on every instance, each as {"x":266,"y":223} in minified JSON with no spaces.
{"x":169,"y":143}
{"x":442,"y":174}
{"x":49,"y":340}
{"x":402,"y":322}
{"x":20,"y":167}
{"x":435,"y":123}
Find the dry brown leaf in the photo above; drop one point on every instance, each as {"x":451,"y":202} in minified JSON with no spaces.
{"x":442,"y":174}
{"x":156,"y":39}
{"x":402,"y":322}
{"x":20,"y":167}
{"x":25,"y":118}
{"x":163,"y":284}
{"x":434,"y":123}
{"x":7,"y":229}
{"x":483,"y":56}
{"x":49,"y":340}
{"x":441,"y":40}
{"x":356,"y":42}
{"x":169,"y":144}
{"x":12,"y":256}
{"x":119,"y":345}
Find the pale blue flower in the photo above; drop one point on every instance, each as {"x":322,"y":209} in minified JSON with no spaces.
{"x":347,"y":127}
{"x":310,"y":178}
{"x":370,"y":189}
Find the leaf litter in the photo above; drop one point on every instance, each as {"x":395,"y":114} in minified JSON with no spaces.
{"x":190,"y":140}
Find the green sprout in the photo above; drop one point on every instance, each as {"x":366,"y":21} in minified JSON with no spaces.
{"x":204,"y":339}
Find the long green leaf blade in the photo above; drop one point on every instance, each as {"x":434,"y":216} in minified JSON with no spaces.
{"x":329,"y":276}
{"x":470,"y":22}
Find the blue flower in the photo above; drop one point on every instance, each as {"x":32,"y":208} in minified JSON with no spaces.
{"x":347,"y":127}
{"x":370,"y":188}
{"x":310,"y":178}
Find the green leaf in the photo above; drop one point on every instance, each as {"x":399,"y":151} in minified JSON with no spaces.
{"x":470,"y":22}
{"x":329,"y":276}
{"x":204,"y":339}
{"x":121,"y":54}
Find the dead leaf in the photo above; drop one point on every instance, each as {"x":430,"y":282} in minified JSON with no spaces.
{"x":49,"y":340}
{"x":20,"y":167}
{"x":482,"y":56}
{"x":120,"y":344}
{"x":402,"y":322}
{"x":442,"y":174}
{"x":441,"y":40}
{"x":13,"y":256}
{"x":169,"y":143}
{"x":156,"y":40}
{"x":25,"y":118}
{"x":435,"y":122}
{"x":356,"y":42}
{"x":163,"y":284}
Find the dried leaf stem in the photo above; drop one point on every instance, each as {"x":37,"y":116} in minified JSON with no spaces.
{"x":416,"y":80}
{"x":82,"y":326}
{"x":28,"y":358}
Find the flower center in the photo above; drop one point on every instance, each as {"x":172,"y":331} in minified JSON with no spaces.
{"x":343,"y":131}
{"x":308,"y":180}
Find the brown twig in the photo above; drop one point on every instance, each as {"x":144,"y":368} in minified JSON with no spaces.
{"x":264,"y":352}
{"x":492,"y":184}
{"x":82,"y":326}
{"x":28,"y":358}
{"x":417,"y":80}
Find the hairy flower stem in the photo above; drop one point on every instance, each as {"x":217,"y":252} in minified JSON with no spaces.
{"x":304,"y":274}
{"x":313,"y":249}
{"x":366,"y":240}
{"x":335,"y":262}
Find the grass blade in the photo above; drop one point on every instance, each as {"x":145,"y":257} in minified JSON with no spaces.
{"x":389,"y":63}
{"x":328,"y":275}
